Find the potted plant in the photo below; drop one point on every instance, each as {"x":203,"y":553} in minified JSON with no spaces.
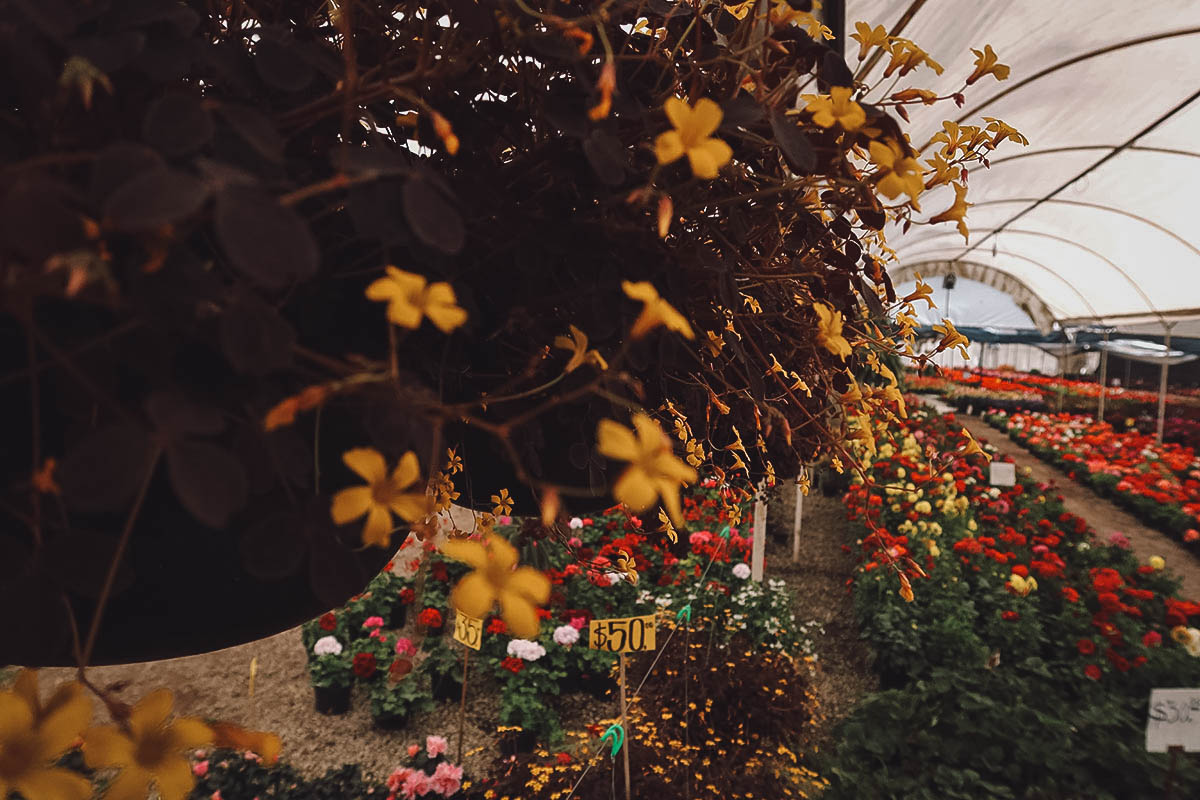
{"x":428,"y":770}
{"x":331,"y":675}
{"x":397,"y":696}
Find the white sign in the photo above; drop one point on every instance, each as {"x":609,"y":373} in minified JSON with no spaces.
{"x":1002,"y":474}
{"x":1174,"y":720}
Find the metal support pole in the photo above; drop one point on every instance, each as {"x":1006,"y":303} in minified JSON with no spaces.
{"x":797,"y":522}
{"x":1103,"y":378}
{"x":1162,"y":388}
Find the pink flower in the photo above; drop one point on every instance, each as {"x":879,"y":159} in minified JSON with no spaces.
{"x":699,"y":537}
{"x":373,"y":622}
{"x":250,"y":755}
{"x":415,"y":785}
{"x":397,"y":778}
{"x":405,"y":647}
{"x":575,"y":541}
{"x":1119,"y":539}
{"x":447,"y":778}
{"x":579,"y":623}
{"x":413,"y":749}
{"x":504,"y":519}
{"x":200,"y":769}
{"x":435,"y":746}
{"x":216,"y":795}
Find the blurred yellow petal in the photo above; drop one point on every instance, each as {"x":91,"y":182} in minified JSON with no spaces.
{"x":708,"y":158}
{"x":351,"y":504}
{"x":616,"y":441}
{"x":151,"y":712}
{"x":407,"y":471}
{"x":188,"y":733}
{"x":106,"y":746}
{"x":705,"y":118}
{"x":520,"y":615}
{"x":54,"y":783}
{"x":668,"y":147}
{"x":378,"y":528}
{"x":404,"y":313}
{"x":382,"y":289}
{"x":16,"y":717}
{"x":530,"y":584}
{"x":66,"y":719}
{"x":25,"y":685}
{"x":468,"y":551}
{"x":367,"y":463}
{"x":678,"y":112}
{"x":635,"y":489}
{"x":412,"y":507}
{"x":174,"y":778}
{"x":474,"y":595}
{"x":131,"y":783}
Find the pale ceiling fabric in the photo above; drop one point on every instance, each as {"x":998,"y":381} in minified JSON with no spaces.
{"x":1121,"y":245}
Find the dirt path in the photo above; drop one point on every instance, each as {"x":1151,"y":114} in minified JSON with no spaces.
{"x":1105,"y":517}
{"x":844,"y":674}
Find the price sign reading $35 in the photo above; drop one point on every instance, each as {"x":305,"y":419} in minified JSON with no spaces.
{"x":468,"y":630}
{"x":625,"y":635}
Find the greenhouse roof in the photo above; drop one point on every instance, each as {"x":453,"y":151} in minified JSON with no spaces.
{"x":1094,"y":221}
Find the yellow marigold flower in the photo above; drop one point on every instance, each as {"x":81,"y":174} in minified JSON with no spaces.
{"x":496,"y":577}
{"x":986,"y":64}
{"x":653,"y":470}
{"x":502,"y":502}
{"x":382,"y":495}
{"x":692,"y":136}
{"x":33,"y":736}
{"x":957,"y":211}
{"x":952,"y":338}
{"x":829,"y":330}
{"x":836,"y":108}
{"x":152,"y":750}
{"x":577,"y":344}
{"x":1157,"y":562}
{"x":898,"y":173}
{"x":411,"y":298}
{"x":655,"y":311}
{"x":868,"y":37}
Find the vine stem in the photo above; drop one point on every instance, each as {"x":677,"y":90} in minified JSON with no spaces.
{"x":94,"y":629}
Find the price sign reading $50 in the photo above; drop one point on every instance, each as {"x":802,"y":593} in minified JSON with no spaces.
{"x":625,"y":635}
{"x":468,"y":630}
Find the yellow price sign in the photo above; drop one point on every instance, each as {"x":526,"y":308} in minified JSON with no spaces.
{"x":625,"y":635}
{"x":468,"y":630}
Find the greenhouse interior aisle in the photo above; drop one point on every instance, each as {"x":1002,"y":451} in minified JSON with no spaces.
{"x":1104,"y":517}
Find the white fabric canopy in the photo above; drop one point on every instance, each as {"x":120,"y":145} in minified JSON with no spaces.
{"x":1096,"y":218}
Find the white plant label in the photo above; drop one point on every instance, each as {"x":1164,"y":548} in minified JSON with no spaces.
{"x":1002,"y":474}
{"x":1174,"y":720}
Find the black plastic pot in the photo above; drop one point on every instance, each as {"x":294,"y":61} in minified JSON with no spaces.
{"x":399,"y":616}
{"x":332,"y":699}
{"x":390,"y":722}
{"x":515,"y":742}
{"x":447,"y":688}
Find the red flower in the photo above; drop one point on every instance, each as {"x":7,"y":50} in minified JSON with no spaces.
{"x":497,"y":626}
{"x":1106,"y":579}
{"x":1092,"y":671}
{"x":1117,"y":660}
{"x":407,"y":596}
{"x":438,"y":570}
{"x":562,"y":758}
{"x":513,"y":665}
{"x":1152,"y":639}
{"x":1020,"y":569}
{"x":364,"y":665}
{"x":1009,"y":616}
{"x":328,"y":621}
{"x":430,"y":618}
{"x":1070,"y":594}
{"x":1086,"y":646}
{"x":1109,"y":601}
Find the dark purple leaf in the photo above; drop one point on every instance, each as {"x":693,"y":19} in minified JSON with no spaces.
{"x":267,"y":241}
{"x":37,"y":219}
{"x":208,"y":480}
{"x":431,"y":217}
{"x":794,"y":144}
{"x":281,"y":65}
{"x":256,"y":128}
{"x":117,"y":164}
{"x":104,"y":470}
{"x":254,"y":337}
{"x":177,"y":124}
{"x":154,"y":198}
{"x":604,"y":153}
{"x":175,"y":415}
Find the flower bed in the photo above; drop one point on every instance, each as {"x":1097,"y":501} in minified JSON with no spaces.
{"x":1160,"y":484}
{"x":1021,"y":662}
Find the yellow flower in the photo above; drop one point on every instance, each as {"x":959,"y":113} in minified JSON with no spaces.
{"x":33,"y":736}
{"x":653,"y":469}
{"x":667,"y":527}
{"x":836,"y":107}
{"x":410,"y":298}
{"x":502,"y":502}
{"x":985,"y":64}
{"x":715,"y":343}
{"x":905,"y":588}
{"x":1157,"y":562}
{"x":972,"y":447}
{"x":1001,"y":130}
{"x":655,"y":311}
{"x":943,"y":172}
{"x":497,"y":577}
{"x":454,"y":462}
{"x":907,"y":56}
{"x":382,"y":495}
{"x":150,"y":750}
{"x":692,"y":136}
{"x":627,"y":565}
{"x":868,"y":37}
{"x":829,"y":330}
{"x":957,"y":211}
{"x":898,"y":172}
{"x":952,"y":338}
{"x":577,"y":343}
{"x":1022,"y":586}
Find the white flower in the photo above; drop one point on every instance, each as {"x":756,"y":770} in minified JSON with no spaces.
{"x":566,"y":635}
{"x":575,"y":524}
{"x":327,"y":646}
{"x":741,"y":571}
{"x":1192,"y":645}
{"x":526,"y":650}
{"x":615,"y":578}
